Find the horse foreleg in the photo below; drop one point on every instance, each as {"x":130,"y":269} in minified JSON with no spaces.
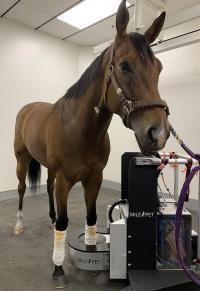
{"x":62,"y":187}
{"x":50,"y":190}
{"x":91,"y":189}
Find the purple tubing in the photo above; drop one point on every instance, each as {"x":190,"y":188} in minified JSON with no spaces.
{"x":197,"y":157}
{"x":180,"y":205}
{"x":179,"y":210}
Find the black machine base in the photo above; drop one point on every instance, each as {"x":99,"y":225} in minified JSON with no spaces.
{"x":152,"y":280}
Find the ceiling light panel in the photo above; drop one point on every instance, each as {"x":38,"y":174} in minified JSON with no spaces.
{"x":88,"y":12}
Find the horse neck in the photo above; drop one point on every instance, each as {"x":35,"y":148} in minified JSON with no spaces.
{"x":96,"y":115}
{"x":88,"y":124}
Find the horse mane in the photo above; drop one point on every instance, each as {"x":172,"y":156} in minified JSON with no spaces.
{"x":141,"y":45}
{"x":91,"y":73}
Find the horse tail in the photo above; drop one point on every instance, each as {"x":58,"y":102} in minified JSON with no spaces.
{"x":34,"y":174}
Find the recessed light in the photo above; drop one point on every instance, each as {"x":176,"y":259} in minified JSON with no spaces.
{"x":88,"y":12}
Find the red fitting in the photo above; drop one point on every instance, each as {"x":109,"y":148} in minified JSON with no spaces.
{"x":198,"y":260}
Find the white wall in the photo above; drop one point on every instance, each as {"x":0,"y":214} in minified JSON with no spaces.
{"x":33,"y":67}
{"x":86,"y":57}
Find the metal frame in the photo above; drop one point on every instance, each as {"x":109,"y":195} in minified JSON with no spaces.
{"x":171,"y":21}
{"x":163,"y":45}
{"x":177,"y":42}
{"x":179,"y":159}
{"x":182,"y":159}
{"x":138,"y":15}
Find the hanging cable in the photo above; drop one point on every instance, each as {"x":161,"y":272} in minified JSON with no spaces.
{"x":121,"y":201}
{"x":164,"y":183}
{"x":163,"y":196}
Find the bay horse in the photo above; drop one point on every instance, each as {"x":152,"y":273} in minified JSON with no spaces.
{"x":70,"y":137}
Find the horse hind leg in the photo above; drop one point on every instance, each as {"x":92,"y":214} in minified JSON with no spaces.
{"x":50,"y":190}
{"x":23,"y":161}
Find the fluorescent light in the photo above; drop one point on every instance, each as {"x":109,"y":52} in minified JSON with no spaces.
{"x":88,"y":12}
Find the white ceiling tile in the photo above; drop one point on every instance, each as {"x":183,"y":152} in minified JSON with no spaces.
{"x":84,"y":39}
{"x":175,"y":6}
{"x":5,"y":5}
{"x":26,"y":15}
{"x":104,"y":29}
{"x":58,"y":28}
{"x":50,"y":7}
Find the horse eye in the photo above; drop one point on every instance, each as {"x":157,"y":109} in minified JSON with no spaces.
{"x":125,"y":67}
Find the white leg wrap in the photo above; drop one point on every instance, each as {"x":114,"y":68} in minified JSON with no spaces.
{"x":59,"y":247}
{"x":90,"y":235}
{"x":19,"y":224}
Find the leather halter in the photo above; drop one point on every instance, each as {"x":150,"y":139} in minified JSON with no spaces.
{"x":129,"y":106}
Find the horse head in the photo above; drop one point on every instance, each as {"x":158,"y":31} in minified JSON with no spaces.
{"x":132,"y":84}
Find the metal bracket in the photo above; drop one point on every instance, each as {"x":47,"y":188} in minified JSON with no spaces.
{"x":138,"y":25}
{"x":141,"y":161}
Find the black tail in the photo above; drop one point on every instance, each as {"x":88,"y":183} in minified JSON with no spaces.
{"x":34,"y":174}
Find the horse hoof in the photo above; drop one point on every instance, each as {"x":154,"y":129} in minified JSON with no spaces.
{"x":59,"y":279}
{"x":18,"y":230}
{"x":60,"y":282}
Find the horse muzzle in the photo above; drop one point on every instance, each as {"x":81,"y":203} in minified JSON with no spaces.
{"x":153,"y":139}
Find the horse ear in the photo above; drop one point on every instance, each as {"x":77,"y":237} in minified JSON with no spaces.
{"x":154,"y":30}
{"x":122,"y":19}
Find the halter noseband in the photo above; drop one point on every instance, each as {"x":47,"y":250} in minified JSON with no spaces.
{"x":129,"y":106}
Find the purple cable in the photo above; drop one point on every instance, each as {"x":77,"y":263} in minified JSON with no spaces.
{"x":180,"y":205}
{"x":179,"y":210}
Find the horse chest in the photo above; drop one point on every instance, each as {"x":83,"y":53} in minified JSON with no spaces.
{"x":78,"y":156}
{"x":79,"y":170}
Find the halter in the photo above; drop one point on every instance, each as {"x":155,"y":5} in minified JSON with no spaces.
{"x":128,"y":106}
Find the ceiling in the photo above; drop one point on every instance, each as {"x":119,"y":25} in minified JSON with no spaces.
{"x":41,"y":15}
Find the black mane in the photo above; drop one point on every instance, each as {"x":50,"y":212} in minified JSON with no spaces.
{"x":92,"y":72}
{"x":141,"y":45}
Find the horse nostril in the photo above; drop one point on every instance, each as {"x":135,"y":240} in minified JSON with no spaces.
{"x":152,"y":135}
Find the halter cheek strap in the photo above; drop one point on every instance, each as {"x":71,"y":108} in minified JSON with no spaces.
{"x":129,"y":106}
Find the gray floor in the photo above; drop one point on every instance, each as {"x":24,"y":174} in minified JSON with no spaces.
{"x":26,"y":260}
